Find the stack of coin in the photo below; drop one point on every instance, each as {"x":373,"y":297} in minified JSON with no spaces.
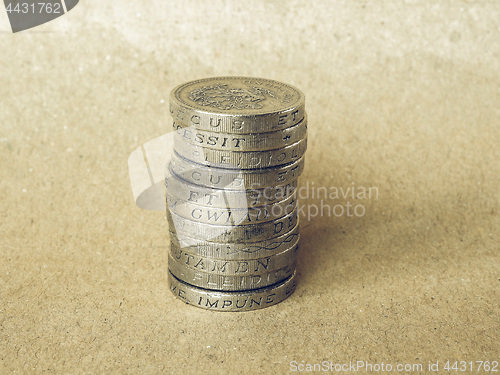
{"x":230,"y":187}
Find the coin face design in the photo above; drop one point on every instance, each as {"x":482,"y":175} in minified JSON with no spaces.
{"x":221,"y":96}
{"x":238,"y":95}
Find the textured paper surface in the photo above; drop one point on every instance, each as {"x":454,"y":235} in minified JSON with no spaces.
{"x":401,"y":96}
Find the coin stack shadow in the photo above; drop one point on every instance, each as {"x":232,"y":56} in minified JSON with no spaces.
{"x":239,"y":148}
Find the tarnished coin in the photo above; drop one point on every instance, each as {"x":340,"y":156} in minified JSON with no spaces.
{"x":241,"y":159}
{"x":237,"y":251}
{"x":235,"y":267}
{"x":231,"y":215}
{"x":231,"y":179}
{"x":232,"y":301}
{"x":214,"y":197}
{"x":242,"y":142}
{"x":233,"y":234}
{"x":240,"y":105}
{"x":214,"y":281}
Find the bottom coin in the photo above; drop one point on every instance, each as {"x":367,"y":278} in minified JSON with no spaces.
{"x":233,"y":301}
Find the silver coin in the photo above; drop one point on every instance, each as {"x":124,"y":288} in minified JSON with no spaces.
{"x":214,"y":281}
{"x":230,"y":216}
{"x":242,"y":142}
{"x":239,"y":105}
{"x":235,"y":267}
{"x":213,"y":197}
{"x":234,"y":234}
{"x":241,"y":159}
{"x":233,"y":301}
{"x":229,"y":250}
{"x":234,"y":179}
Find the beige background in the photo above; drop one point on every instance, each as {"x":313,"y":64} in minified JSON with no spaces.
{"x":403,"y":96}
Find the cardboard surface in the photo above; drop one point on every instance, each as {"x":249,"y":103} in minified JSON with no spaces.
{"x":402,"y":97}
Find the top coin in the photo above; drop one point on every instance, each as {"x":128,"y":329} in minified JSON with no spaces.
{"x":240,"y":105}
